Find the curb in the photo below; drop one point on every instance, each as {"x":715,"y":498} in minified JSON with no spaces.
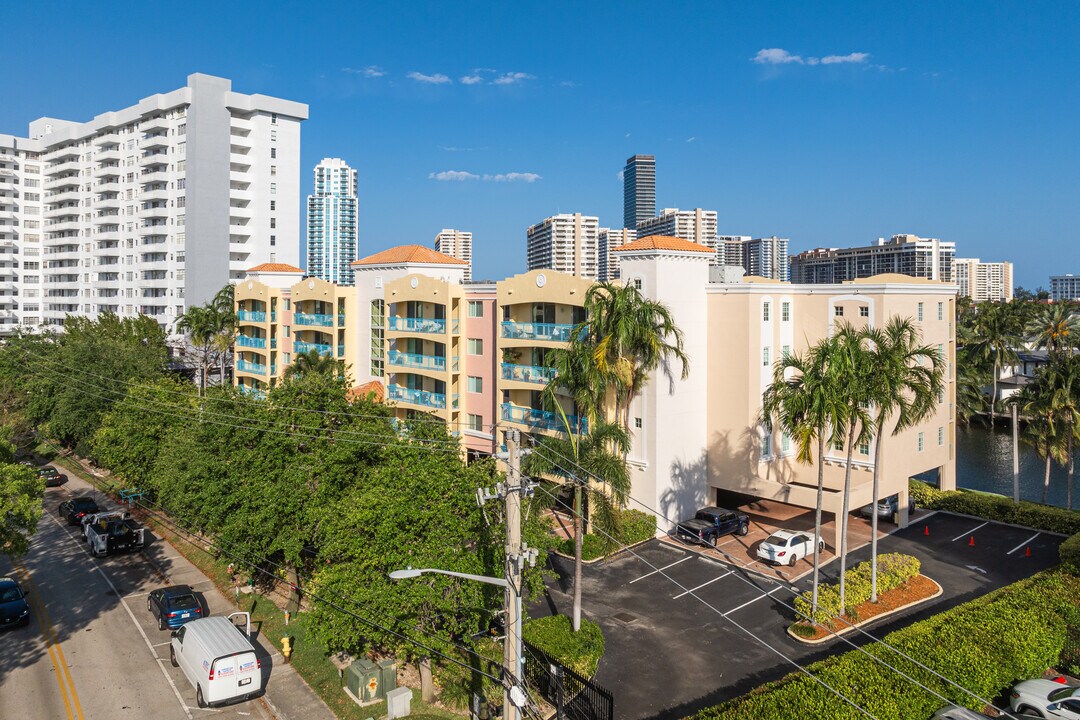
{"x":836,"y":634}
{"x":601,"y":559}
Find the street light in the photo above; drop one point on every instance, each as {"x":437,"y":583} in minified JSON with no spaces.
{"x":417,"y":572}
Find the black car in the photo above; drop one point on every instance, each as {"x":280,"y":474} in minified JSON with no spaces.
{"x":51,"y":476}
{"x":173,"y":606}
{"x":14,"y":612}
{"x":74,"y":509}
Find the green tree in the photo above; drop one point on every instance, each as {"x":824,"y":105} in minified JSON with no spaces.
{"x":577,"y":459}
{"x":224,"y":306}
{"x":1055,"y":327}
{"x":21,"y":492}
{"x":1043,"y":432}
{"x":995,"y":334}
{"x":313,"y":363}
{"x":971,"y":377}
{"x":805,"y":402}
{"x":1063,"y":377}
{"x":201,"y":325}
{"x":906,"y":380}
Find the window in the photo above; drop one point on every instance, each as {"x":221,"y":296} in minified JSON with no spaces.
{"x":637,"y":423}
{"x":273,"y":170}
{"x":785,"y":442}
{"x":273,"y":118}
{"x":476,"y":384}
{"x":785,"y":312}
{"x":941,"y":436}
{"x":273,"y":240}
{"x":920,"y":312}
{"x":636,"y":282}
{"x":864,"y":448}
{"x":864,"y":311}
{"x":476,"y":424}
{"x":273,"y":223}
{"x":181,"y":201}
{"x":766,"y":445}
{"x":765,"y":356}
{"x":765,"y":312}
{"x":273,"y":188}
{"x":288,"y":302}
{"x":476,"y":346}
{"x":273,"y":136}
{"x":273,"y":153}
{"x":786,"y":351}
{"x":476,"y":308}
{"x":920,"y":442}
{"x":838,"y":311}
{"x":273,"y":205}
{"x":940,"y":396}
{"x":940,"y":311}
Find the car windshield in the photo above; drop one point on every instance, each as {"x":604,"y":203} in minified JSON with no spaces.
{"x":183,"y":602}
{"x":47,"y":471}
{"x":1064,"y":693}
{"x":777,"y":540}
{"x":83,"y":504}
{"x":9,"y":594}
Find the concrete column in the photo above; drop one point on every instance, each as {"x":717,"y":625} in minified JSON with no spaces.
{"x":902,"y":508}
{"x":837,"y":531}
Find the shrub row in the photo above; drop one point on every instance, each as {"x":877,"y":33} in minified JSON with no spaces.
{"x":634,"y":527}
{"x":580,"y":651}
{"x":997,"y":507}
{"x":1069,"y":551}
{"x":984,"y":645}
{"x":894,"y":569}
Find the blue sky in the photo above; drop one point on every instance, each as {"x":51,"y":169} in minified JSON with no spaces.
{"x":829,"y":123}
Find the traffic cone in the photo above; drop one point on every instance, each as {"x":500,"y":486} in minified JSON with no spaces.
{"x":1027,"y":553}
{"x":971,"y":542}
{"x":926,"y":530}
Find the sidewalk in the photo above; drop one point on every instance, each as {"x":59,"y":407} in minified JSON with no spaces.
{"x":287,"y":696}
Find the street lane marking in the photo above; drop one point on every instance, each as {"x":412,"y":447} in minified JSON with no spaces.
{"x":688,"y":557}
{"x":138,"y":594}
{"x":703,"y":585}
{"x":1024,"y":543}
{"x":965,"y":534}
{"x":753,"y":601}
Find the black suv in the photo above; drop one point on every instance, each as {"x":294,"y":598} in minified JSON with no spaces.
{"x":74,"y":509}
{"x":51,"y":476}
{"x":711,"y":523}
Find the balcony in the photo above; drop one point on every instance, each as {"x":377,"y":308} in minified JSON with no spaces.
{"x":546,"y":332}
{"x":154,"y":141}
{"x":110,"y":155}
{"x":62,"y":182}
{"x":254,"y":393}
{"x":313,"y":319}
{"x":251,"y":316}
{"x":154,"y":212}
{"x":61,"y":168}
{"x":420,"y":362}
{"x":527,"y":373}
{"x":251,"y":342}
{"x":59,"y":227}
{"x":152,"y":195}
{"x":305,"y":347}
{"x":421,"y":397}
{"x":107,"y":139}
{"x":542,"y":419}
{"x":154,"y":158}
{"x":421,"y":325}
{"x":251,"y":367}
{"x":107,"y":170}
{"x":156,"y":176}
{"x":63,"y":197}
{"x":157,"y":123}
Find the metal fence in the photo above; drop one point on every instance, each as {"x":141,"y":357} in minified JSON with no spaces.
{"x":573,"y":696}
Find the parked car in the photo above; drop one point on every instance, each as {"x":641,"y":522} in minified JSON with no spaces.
{"x":785,"y":547}
{"x":711,"y":523}
{"x":14,"y":611}
{"x":74,"y":509}
{"x":217,"y":657}
{"x":51,"y":476}
{"x":1046,"y":698}
{"x":954,"y":712}
{"x":173,"y":606}
{"x":887,"y":507}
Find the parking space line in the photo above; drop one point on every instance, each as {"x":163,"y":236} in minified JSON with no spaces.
{"x":753,"y":601}
{"x":688,"y":557}
{"x":703,"y":585}
{"x":968,"y":532}
{"x":1024,"y":543}
{"x":138,"y":594}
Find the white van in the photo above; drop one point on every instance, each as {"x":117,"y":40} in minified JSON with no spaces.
{"x":218,"y":659}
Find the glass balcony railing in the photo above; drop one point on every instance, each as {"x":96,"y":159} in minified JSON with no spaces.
{"x":421,"y":397}
{"x":251,"y":392}
{"x":304,"y":347}
{"x":527,"y":373}
{"x":421,"y":325}
{"x":273,"y":343}
{"x":313,"y":319}
{"x":250,"y":342}
{"x":341,"y":351}
{"x":543,"y":419}
{"x":251,"y":367}
{"x":341,"y":319}
{"x":423,"y":362}
{"x":551,"y":332}
{"x":258,"y":316}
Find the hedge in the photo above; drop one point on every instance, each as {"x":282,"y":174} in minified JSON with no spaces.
{"x":580,"y":651}
{"x":634,"y":527}
{"x":985,"y":645}
{"x":1069,"y":552}
{"x":894,"y":569}
{"x":997,"y":507}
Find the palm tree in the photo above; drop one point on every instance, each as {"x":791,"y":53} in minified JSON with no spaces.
{"x":201,"y":326}
{"x":1054,"y":327}
{"x":313,"y":362}
{"x":598,"y":455}
{"x":577,"y":374}
{"x":807,"y":406}
{"x":1035,"y":402}
{"x":997,"y":332}
{"x":226,"y":321}
{"x":971,"y":378}
{"x":907,"y":379}
{"x":1063,"y":377}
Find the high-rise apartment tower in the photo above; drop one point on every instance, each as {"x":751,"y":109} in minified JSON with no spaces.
{"x":639,"y":190}
{"x":331,"y":222}
{"x":567,"y":243}
{"x":902,"y":254}
{"x":456,"y":244}
{"x":982,"y":281}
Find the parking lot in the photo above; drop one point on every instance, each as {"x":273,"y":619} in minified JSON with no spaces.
{"x":685,"y":630}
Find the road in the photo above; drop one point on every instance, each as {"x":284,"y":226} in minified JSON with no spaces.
{"x":92,"y":650}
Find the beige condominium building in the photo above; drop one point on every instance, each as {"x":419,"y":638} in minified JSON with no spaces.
{"x":566,"y":243}
{"x":982,"y":281}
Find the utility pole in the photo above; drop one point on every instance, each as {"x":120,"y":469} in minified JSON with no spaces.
{"x":512,"y":644}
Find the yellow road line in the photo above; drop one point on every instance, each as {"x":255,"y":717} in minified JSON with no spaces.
{"x":53,"y":644}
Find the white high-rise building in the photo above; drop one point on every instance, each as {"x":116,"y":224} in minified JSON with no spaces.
{"x":694,"y":225}
{"x":331,"y":222}
{"x":983,"y":281}
{"x":456,"y":244}
{"x":148,"y":209}
{"x":607,"y":240}
{"x":760,"y":257}
{"x":567,"y":243}
{"x":1064,"y":287}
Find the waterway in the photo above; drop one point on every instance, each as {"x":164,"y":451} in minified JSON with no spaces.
{"x":984,"y":462}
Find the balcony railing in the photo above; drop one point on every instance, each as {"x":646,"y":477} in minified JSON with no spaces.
{"x":258,"y":316}
{"x":421,"y":325}
{"x":251,"y":342}
{"x":550,"y":332}
{"x":313,"y":319}
{"x":341,"y":319}
{"x":254,"y":393}
{"x":305,"y":347}
{"x":251,"y":367}
{"x":543,"y":419}
{"x":527,"y":373}
{"x":423,"y":362}
{"x":421,"y":397}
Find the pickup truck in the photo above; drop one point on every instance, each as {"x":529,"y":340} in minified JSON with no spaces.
{"x":711,"y":523}
{"x":101,"y":517}
{"x":108,"y":536}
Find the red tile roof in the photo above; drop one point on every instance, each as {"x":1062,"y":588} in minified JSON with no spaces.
{"x":367,"y":389}
{"x":409,"y":254}
{"x":663,"y":242}
{"x":276,"y":267}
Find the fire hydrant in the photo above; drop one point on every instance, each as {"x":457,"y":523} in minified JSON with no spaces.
{"x":286,"y":648}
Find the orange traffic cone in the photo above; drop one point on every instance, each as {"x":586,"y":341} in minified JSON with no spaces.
{"x":1027,"y":553}
{"x":926,"y":530}
{"x":971,"y":542}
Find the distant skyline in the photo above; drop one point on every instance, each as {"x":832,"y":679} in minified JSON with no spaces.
{"x":831,"y":124}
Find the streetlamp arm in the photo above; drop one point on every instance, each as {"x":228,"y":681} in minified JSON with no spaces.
{"x":411,"y":573}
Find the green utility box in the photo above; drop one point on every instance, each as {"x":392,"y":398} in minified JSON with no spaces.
{"x":370,"y":682}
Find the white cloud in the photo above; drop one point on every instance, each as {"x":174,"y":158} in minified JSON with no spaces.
{"x":511,"y":78}
{"x":472,"y":80}
{"x":569,"y":84}
{"x":436,"y":79}
{"x":776,"y":56}
{"x":855,"y":57}
{"x":371,"y":71}
{"x":453,"y":175}
{"x":513,"y":177}
{"x":691,"y":139}
{"x":779,"y":56}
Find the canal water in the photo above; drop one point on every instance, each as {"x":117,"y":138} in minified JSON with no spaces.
{"x":984,"y":462}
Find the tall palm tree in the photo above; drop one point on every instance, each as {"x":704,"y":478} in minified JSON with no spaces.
{"x":577,"y":374}
{"x":1063,"y":376}
{"x":595,"y":455}
{"x":226,"y":321}
{"x":907,"y":380}
{"x":997,"y":331}
{"x":201,"y":326}
{"x":1043,"y":432}
{"x":804,"y":402}
{"x":1054,"y":327}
